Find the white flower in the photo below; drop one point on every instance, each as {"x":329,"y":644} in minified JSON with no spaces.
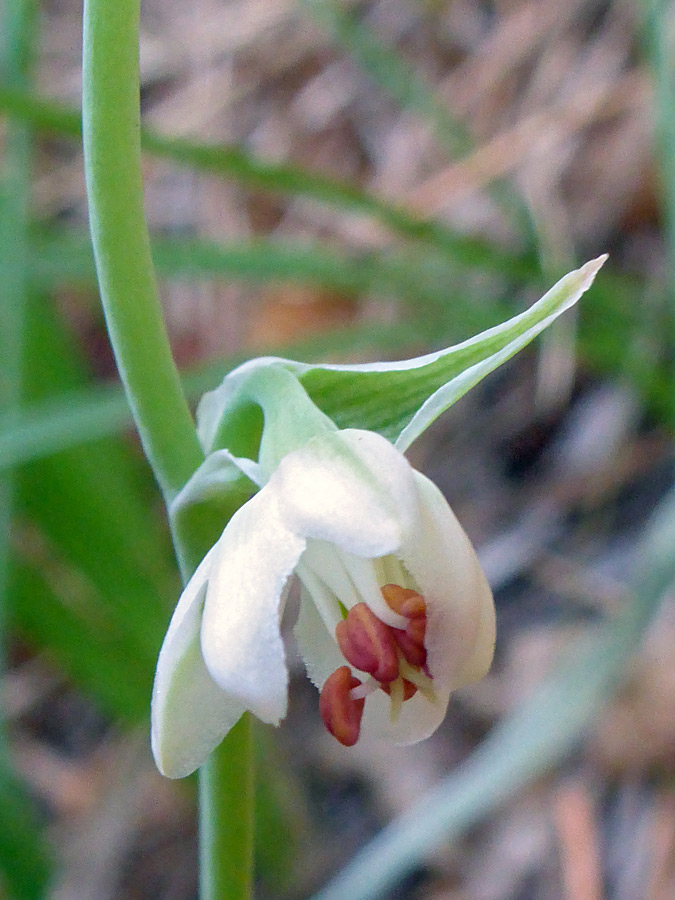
{"x":350,"y":517}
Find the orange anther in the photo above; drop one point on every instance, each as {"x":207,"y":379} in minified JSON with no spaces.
{"x":340,"y":712}
{"x":367,"y":643}
{"x":396,"y":596}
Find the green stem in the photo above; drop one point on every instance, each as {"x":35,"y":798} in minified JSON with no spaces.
{"x":111,"y":133}
{"x":226,"y":817}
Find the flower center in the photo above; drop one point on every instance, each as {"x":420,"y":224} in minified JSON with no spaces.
{"x":394,"y":658}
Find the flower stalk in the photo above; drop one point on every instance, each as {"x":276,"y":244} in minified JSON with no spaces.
{"x":112,"y":154}
{"x":226,"y":821}
{"x":111,"y":135}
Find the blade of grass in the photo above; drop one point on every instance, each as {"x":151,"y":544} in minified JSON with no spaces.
{"x":24,"y":859}
{"x":388,"y":68}
{"x":234,"y":162}
{"x":612,"y":329}
{"x":529,"y":743}
{"x":79,"y":632}
{"x":17,"y":31}
{"x":658,"y":26}
{"x":421,"y":278}
{"x":91,"y":530}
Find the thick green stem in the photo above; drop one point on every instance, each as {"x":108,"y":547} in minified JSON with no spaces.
{"x":226,"y":817}
{"x":111,"y":133}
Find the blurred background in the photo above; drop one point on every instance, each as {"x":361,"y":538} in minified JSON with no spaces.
{"x":352,"y":181}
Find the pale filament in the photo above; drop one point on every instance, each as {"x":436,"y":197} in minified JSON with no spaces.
{"x":363,"y":690}
{"x":419,"y":679}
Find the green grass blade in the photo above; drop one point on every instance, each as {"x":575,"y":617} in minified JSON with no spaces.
{"x":91,"y":560}
{"x":15,"y":56}
{"x":658,"y":23}
{"x":609,"y":328}
{"x":657,"y":30}
{"x":423,"y":279}
{"x":233,"y":162}
{"x":25,"y":864}
{"x":79,"y":632}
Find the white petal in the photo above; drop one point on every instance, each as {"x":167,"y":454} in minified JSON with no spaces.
{"x":478,"y":664}
{"x":318,"y":648}
{"x":325,"y":581}
{"x":331,"y":574}
{"x":241,"y":640}
{"x":190,"y":713}
{"x":351,"y":488}
{"x":417,"y":720}
{"x":460,"y":614}
{"x":364,"y":575}
{"x":460,"y":609}
{"x":322,"y":562}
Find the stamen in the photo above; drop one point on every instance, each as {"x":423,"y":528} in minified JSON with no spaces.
{"x":409,"y":689}
{"x":396,"y":696}
{"x":396,"y":597}
{"x":363,"y":690}
{"x":341,"y":712}
{"x":416,"y":629}
{"x":420,"y":680}
{"x":367,"y":643}
{"x":395,"y":658}
{"x":413,"y":652}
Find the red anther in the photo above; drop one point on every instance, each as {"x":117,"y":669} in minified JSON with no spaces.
{"x":396,"y":596}
{"x":413,"y":652}
{"x":416,"y":628}
{"x":340,"y":712}
{"x":409,"y":689}
{"x":367,"y":643}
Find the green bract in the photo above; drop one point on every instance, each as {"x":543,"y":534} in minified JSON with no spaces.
{"x":397,"y":399}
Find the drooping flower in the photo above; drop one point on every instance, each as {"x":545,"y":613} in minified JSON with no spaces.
{"x":395,"y":611}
